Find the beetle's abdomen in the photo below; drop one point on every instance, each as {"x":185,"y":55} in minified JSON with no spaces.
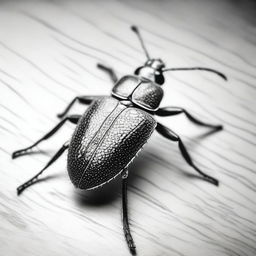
{"x":106,"y":139}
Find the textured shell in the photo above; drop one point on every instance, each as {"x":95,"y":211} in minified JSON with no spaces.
{"x":141,"y":92}
{"x":106,"y":139}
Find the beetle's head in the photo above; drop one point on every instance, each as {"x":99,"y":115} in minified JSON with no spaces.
{"x":152,"y":70}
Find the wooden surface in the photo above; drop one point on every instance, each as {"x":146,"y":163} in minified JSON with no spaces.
{"x":48,"y":55}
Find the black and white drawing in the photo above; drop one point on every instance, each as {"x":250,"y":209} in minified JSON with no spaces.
{"x":148,"y":108}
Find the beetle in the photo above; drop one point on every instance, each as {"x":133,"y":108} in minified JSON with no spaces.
{"x":114,"y":128}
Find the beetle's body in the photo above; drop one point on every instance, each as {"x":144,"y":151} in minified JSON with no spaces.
{"x":114,"y":128}
{"x":112,"y":131}
{"x":106,"y":139}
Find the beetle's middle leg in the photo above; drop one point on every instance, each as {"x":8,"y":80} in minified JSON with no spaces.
{"x":35,"y":178}
{"x":126,"y":228}
{"x":110,"y":71}
{"x":73,"y":119}
{"x":171,"y":111}
{"x":169,"y":134}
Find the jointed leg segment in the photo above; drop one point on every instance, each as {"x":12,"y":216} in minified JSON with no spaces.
{"x":35,"y":178}
{"x":126,"y":228}
{"x":81,"y":99}
{"x":169,"y":134}
{"x":110,"y":71}
{"x":73,"y":119}
{"x":171,"y":111}
{"x":89,"y":99}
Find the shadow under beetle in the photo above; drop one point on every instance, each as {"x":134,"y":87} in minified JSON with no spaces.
{"x":114,"y":128}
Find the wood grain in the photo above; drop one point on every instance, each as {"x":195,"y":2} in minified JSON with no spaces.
{"x":48,"y":55}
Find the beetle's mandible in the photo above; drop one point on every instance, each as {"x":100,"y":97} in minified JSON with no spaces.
{"x":114,"y":128}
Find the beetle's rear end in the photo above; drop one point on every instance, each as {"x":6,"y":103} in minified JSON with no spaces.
{"x":107,"y":138}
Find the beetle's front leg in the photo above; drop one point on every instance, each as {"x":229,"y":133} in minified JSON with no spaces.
{"x":171,"y":111}
{"x":81,"y":99}
{"x":169,"y":134}
{"x":73,"y":119}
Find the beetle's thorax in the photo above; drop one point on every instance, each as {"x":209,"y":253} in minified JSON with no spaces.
{"x":140,"y":91}
{"x":152,"y":70}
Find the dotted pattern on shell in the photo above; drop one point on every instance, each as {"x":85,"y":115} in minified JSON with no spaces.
{"x":148,"y":94}
{"x":126,"y":134}
{"x":85,"y":130}
{"x":125,"y":86}
{"x":141,"y":92}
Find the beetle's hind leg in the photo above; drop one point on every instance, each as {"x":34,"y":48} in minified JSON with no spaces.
{"x":126,"y":228}
{"x":73,"y":119}
{"x":110,"y":71}
{"x":171,"y":111}
{"x":169,"y":134}
{"x":34,"y":179}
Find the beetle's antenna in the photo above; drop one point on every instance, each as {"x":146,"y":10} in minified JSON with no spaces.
{"x":198,"y":68}
{"x":137,"y":32}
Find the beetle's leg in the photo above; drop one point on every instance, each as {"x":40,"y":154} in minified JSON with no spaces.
{"x":171,"y":111}
{"x":34,"y":179}
{"x":81,"y":99}
{"x":73,"y":119}
{"x":110,"y":71}
{"x":169,"y":134}
{"x":126,"y":227}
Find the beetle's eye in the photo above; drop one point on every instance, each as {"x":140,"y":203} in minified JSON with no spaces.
{"x":137,"y":71}
{"x":159,"y":79}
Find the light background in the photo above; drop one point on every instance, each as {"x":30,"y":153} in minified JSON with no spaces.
{"x":48,"y":55}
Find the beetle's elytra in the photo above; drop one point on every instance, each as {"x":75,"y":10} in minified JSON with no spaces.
{"x":106,"y":139}
{"x":114,"y":128}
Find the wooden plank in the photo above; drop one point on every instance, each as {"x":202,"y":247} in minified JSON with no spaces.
{"x":48,"y":55}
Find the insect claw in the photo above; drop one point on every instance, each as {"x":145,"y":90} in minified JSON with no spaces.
{"x":19,"y":190}
{"x":133,"y":250}
{"x":212,"y":180}
{"x":134,"y":28}
{"x":216,"y":182}
{"x":219,"y":127}
{"x":16,"y":154}
{"x":131,"y":246}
